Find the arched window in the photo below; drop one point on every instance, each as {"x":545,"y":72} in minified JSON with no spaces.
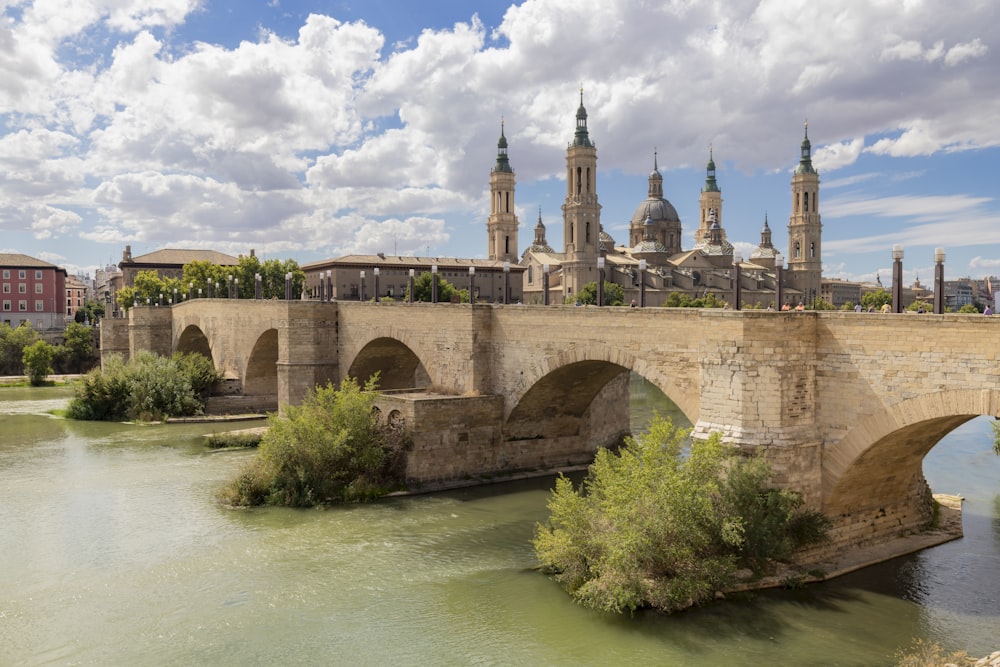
{"x":812,"y":250}
{"x":506,"y":202}
{"x":798,"y":249}
{"x":588,"y":180}
{"x":579,"y":175}
{"x":805,"y":202}
{"x":587,"y":240}
{"x":531,"y":274}
{"x":506,"y":245}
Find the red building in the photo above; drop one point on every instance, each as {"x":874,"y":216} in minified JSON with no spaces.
{"x":32,"y":291}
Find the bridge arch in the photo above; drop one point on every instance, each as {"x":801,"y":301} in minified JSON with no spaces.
{"x":879,"y":461}
{"x":605,"y":362}
{"x":193,"y":339}
{"x":261,"y":375}
{"x":398,"y":366}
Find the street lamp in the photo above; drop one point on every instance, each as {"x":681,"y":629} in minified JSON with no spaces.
{"x":329,"y":284}
{"x":506,"y":283}
{"x":897,"y":278}
{"x":160,"y":302}
{"x":472,"y":285}
{"x":190,"y":290}
{"x":217,"y":290}
{"x":434,"y":283}
{"x":229,"y":286}
{"x":175,"y":296}
{"x":939,"y":281}
{"x":376,"y":271}
{"x":256,"y":286}
{"x":737,"y":260}
{"x":600,"y":281}
{"x":411,"y":286}
{"x":362,"y":294}
{"x":236,"y":287}
{"x":779,"y":265}
{"x":545,"y":284}
{"x":642,"y":283}
{"x":288,"y":286}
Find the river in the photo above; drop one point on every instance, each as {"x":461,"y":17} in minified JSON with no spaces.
{"x":114,"y":552}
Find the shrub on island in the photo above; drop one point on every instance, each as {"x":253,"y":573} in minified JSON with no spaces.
{"x":148,"y":387}
{"x":658,"y":525}
{"x":331,"y":448}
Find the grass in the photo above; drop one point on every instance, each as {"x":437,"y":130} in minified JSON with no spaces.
{"x":229,"y":439}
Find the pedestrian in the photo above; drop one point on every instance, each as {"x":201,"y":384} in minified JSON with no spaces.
{"x":857,"y":308}
{"x":988,"y":311}
{"x":633,"y":303}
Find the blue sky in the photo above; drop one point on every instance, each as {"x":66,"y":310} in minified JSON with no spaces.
{"x":311,"y":129}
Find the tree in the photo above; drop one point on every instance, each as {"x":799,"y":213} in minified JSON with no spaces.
{"x":658,"y":525}
{"x":422,"y":287}
{"x":614,"y":294}
{"x":876,"y":299}
{"x":12,"y":344}
{"x":682,"y":300}
{"x":819,"y":303}
{"x":919,"y":306}
{"x":37,"y":359}
{"x":79,"y":343}
{"x":968,"y":308}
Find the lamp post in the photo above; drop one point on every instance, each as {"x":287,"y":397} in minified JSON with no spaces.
{"x":506,"y":283}
{"x":434,"y":283}
{"x":939,"y":281}
{"x":236,"y":287}
{"x":217,"y":290}
{"x":545,"y":284}
{"x":600,"y":281}
{"x":376,"y":271}
{"x":175,"y":296}
{"x":361,"y":294}
{"x":288,"y":286}
{"x":410,"y":292}
{"x":779,"y":265}
{"x":160,"y":302}
{"x":208,"y":290}
{"x":329,"y":284}
{"x":642,"y":283}
{"x":738,"y":293}
{"x":322,"y":288}
{"x":199,"y":292}
{"x":256,"y":287}
{"x":190,"y":290}
{"x":229,"y":286}
{"x":897,"y":278}
{"x":472,"y":285}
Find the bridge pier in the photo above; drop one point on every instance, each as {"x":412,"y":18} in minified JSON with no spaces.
{"x":307,"y":350}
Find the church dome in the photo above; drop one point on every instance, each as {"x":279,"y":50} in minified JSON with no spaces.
{"x":658,"y":209}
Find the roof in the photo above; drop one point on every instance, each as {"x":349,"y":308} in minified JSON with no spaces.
{"x":26,"y":261}
{"x":182,"y":256}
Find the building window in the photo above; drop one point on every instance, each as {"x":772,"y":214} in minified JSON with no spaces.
{"x":6,"y":274}
{"x":22,"y":288}
{"x":22,"y":274}
{"x":6,"y":288}
{"x":39,"y":306}
{"x":22,"y":306}
{"x":531,"y":274}
{"x":6,"y":306}
{"x":38,"y":275}
{"x":812,"y":250}
{"x":38,"y":288}
{"x":798,"y":249}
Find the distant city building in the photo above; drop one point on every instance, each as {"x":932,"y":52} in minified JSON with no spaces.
{"x":342,"y":277}
{"x":33,"y":291}
{"x":840,"y":292}
{"x":169,"y":262}
{"x":958,"y":293}
{"x":76,"y":296}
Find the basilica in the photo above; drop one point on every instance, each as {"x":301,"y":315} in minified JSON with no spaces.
{"x":652,"y":264}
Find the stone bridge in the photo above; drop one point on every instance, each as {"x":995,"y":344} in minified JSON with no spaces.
{"x":844,"y":405}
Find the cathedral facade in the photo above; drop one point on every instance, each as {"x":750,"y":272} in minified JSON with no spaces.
{"x":652,"y":264}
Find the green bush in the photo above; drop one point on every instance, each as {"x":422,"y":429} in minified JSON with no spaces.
{"x":657,"y":526}
{"x":37,"y":359}
{"x":148,"y":388}
{"x":332,"y":448}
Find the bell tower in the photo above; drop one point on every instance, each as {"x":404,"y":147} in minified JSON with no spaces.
{"x":805,"y":266}
{"x":501,"y":226}
{"x":710,"y":200}
{"x":581,"y":211}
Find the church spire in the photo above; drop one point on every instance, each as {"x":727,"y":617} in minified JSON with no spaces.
{"x":710,"y":183}
{"x":805,"y":162}
{"x":582,"y":137}
{"x":503,"y":164}
{"x":655,"y":181}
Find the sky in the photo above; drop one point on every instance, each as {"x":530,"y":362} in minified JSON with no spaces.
{"x":311,"y":129}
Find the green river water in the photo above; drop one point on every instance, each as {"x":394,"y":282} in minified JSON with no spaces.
{"x":113,"y":552}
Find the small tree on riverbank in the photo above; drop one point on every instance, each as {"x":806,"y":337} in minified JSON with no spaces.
{"x":37,"y":359}
{"x":332,"y":448}
{"x":654,"y":526}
